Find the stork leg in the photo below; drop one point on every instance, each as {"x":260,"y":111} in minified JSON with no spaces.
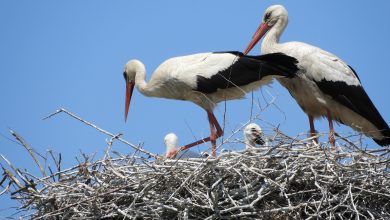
{"x":213,"y":138}
{"x":215,"y":122}
{"x":215,"y":132}
{"x":331,"y":130}
{"x":312,"y":129}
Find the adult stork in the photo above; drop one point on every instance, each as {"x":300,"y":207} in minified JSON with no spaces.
{"x":173,"y":151}
{"x":206,"y":79}
{"x":253,"y":136}
{"x":324,"y":85}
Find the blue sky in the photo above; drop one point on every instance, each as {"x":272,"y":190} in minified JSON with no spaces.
{"x":71,"y":54}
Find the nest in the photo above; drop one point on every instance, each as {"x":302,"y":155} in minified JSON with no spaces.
{"x":290,"y":179}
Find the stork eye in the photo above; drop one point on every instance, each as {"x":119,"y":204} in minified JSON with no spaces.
{"x":125,"y":75}
{"x":267,"y":16}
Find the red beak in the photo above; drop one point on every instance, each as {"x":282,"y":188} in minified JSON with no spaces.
{"x":261,"y":30}
{"x":129,"y":92}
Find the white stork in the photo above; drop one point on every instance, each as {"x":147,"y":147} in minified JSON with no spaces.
{"x":206,"y":79}
{"x":324,"y":84}
{"x":253,"y":136}
{"x":173,"y":151}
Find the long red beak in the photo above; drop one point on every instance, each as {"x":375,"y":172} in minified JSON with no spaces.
{"x":129,"y":92}
{"x":261,"y":30}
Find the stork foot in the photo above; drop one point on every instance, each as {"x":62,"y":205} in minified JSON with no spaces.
{"x":215,"y":132}
{"x":331,"y":129}
{"x":313,"y":134}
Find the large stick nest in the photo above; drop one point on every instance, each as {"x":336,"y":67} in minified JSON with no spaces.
{"x":279,"y":182}
{"x":290,"y":179}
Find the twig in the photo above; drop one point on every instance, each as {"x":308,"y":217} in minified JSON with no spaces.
{"x":292,"y":178}
{"x":101,"y":130}
{"x":29,"y":149}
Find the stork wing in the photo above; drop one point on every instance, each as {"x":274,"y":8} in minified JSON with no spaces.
{"x":337,"y":80}
{"x":243,"y":70}
{"x":322,"y":65}
{"x":356,"y":99}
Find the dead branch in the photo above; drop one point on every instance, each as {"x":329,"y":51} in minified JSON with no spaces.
{"x":117,"y":137}
{"x":292,"y":178}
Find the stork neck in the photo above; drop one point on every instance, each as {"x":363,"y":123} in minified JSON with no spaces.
{"x":249,"y":144}
{"x":140,"y":82}
{"x":248,"y":140}
{"x":171,"y":147}
{"x":271,"y":39}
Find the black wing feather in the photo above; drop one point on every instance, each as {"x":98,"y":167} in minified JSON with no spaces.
{"x":248,"y":69}
{"x":356,"y":99}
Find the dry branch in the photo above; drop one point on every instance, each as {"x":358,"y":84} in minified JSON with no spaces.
{"x":101,"y":130}
{"x":287,"y":180}
{"x":292,"y":178}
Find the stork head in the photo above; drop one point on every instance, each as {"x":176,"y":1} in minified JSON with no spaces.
{"x":253,"y":133}
{"x":171,"y":144}
{"x":272,"y":15}
{"x":131,"y":68}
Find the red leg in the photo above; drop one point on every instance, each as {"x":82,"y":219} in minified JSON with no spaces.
{"x":201,"y":141}
{"x":312,"y":129}
{"x":214,"y":125}
{"x":213,"y":137}
{"x":331,"y":130}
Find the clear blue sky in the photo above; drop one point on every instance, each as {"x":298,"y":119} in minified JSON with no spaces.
{"x":71,"y":54}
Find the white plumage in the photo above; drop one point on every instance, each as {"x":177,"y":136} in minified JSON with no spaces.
{"x":325,"y":85}
{"x":206,"y":79}
{"x":254,"y":136}
{"x":173,"y":151}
